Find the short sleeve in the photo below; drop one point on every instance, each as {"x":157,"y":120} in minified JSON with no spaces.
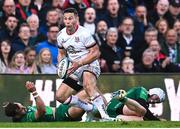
{"x":89,"y":40}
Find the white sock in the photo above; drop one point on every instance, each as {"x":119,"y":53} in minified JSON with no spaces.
{"x":99,"y":103}
{"x":75,"y":101}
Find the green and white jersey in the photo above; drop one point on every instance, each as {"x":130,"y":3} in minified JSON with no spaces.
{"x":30,"y":115}
{"x":115,"y":106}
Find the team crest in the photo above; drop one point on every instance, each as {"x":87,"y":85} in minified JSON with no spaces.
{"x":76,"y":39}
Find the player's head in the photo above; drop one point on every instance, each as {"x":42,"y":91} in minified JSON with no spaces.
{"x":156,"y":95}
{"x":14,"y":110}
{"x":70,"y":17}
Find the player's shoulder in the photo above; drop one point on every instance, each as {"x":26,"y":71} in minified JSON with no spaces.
{"x":82,"y":28}
{"x":84,"y":31}
{"x":62,"y":32}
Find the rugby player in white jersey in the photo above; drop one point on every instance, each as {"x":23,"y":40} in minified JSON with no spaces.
{"x":76,"y":42}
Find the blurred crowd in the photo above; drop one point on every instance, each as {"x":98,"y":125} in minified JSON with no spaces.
{"x":134,"y":36}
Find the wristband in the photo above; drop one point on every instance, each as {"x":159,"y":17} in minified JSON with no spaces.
{"x":34,"y":92}
{"x":35,"y":96}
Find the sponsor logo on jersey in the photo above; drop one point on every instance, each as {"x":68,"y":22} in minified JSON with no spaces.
{"x":71,"y":49}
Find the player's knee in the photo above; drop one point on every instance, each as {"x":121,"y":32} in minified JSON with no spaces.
{"x":142,"y":112}
{"x":60,"y":98}
{"x":90,"y":88}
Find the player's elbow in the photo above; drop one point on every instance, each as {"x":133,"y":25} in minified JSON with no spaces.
{"x":98,"y":54}
{"x":43,"y":112}
{"x":40,"y":112}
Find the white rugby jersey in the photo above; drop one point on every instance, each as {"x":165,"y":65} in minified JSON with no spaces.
{"x":76,"y":44}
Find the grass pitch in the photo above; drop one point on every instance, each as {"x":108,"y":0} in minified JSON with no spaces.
{"x":144,"y":124}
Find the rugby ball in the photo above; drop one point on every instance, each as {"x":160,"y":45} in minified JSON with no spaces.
{"x":63,"y":66}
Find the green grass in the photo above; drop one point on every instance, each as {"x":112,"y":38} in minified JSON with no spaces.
{"x":144,"y":124}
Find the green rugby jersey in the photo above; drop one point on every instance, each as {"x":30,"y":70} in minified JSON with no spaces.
{"x":30,"y":115}
{"x":115,"y":106}
{"x":61,"y":114}
{"x":137,"y":92}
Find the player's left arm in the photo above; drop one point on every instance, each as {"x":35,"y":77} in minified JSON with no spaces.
{"x":39,"y":102}
{"x":93,"y":54}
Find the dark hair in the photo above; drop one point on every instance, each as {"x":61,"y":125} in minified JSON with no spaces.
{"x":23,"y":25}
{"x":53,"y":25}
{"x":11,"y":15}
{"x":71,"y":10}
{"x":11,"y":109}
{"x":10,"y":53}
{"x":128,"y":17}
{"x":28,"y":49}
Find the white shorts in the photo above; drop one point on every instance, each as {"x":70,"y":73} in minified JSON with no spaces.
{"x":78,"y":74}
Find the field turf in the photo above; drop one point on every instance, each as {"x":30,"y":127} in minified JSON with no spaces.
{"x":144,"y":124}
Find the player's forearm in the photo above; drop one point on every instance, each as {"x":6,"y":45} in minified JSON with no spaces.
{"x":39,"y":104}
{"x":61,"y":54}
{"x":90,"y":57}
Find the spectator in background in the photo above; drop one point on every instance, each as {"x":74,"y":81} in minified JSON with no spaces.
{"x":177,"y":28}
{"x":18,"y":64}
{"x":150,"y":34}
{"x":8,"y":7}
{"x":127,"y":65}
{"x":113,"y":17}
{"x":160,"y":11}
{"x":101,"y":30}
{"x":48,"y":5}
{"x":24,"y":38}
{"x":161,"y":60}
{"x":159,"y":56}
{"x":99,"y":6}
{"x":171,"y":47}
{"x":162,"y":27}
{"x":127,"y":39}
{"x":89,"y":23}
{"x":52,"y":18}
{"x":174,"y":12}
{"x":140,"y":21}
{"x":44,"y":62}
{"x":147,"y":64}
{"x":5,"y":55}
{"x":24,"y":9}
{"x":110,"y":52}
{"x":36,"y":37}
{"x":30,"y":57}
{"x":50,"y":43}
{"x":10,"y":30}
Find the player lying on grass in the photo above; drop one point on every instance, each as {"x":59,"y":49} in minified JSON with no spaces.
{"x":135,"y":102}
{"x":40,"y":112}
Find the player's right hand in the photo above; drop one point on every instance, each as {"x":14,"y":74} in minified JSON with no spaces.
{"x":30,"y":86}
{"x":73,"y":68}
